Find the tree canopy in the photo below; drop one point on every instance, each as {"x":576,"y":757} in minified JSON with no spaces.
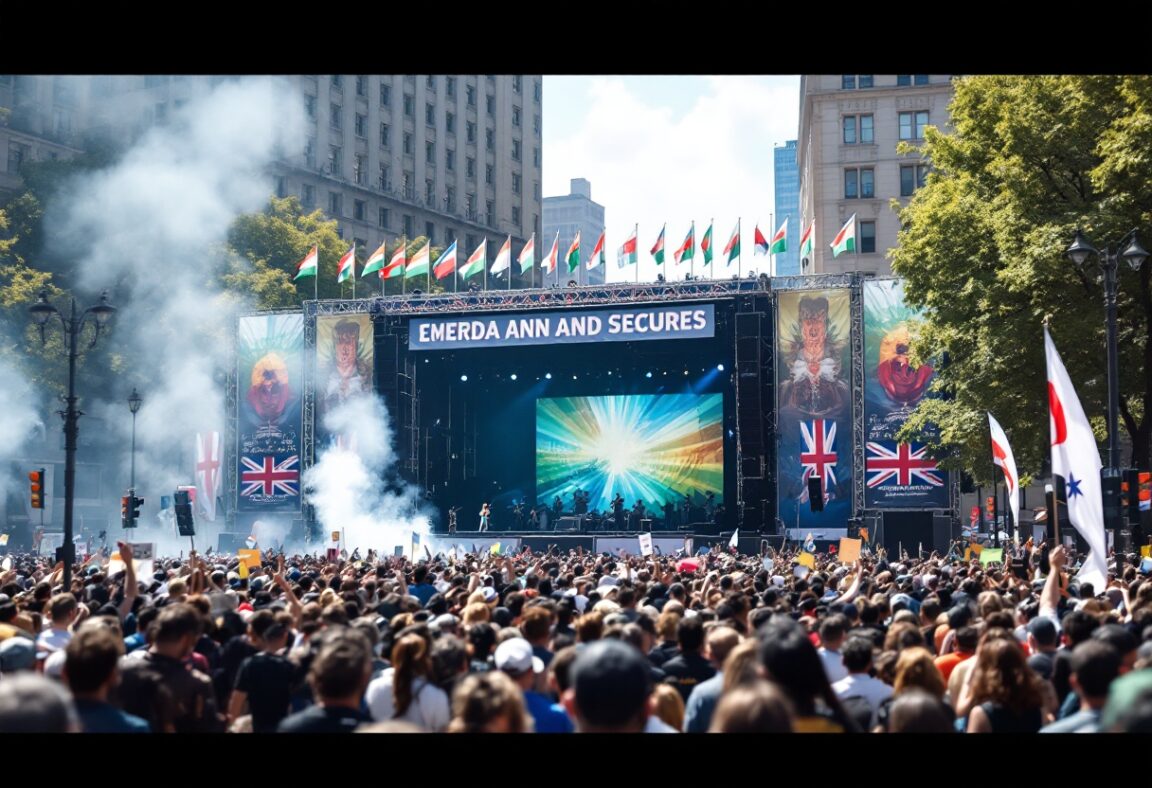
{"x":1030,"y":160}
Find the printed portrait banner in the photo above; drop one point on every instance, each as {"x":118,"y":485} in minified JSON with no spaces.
{"x":898,"y":475}
{"x":345,"y":358}
{"x":814,"y":418}
{"x":557,"y":328}
{"x":269,"y":353}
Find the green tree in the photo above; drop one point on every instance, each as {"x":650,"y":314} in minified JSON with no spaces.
{"x":1030,"y":160}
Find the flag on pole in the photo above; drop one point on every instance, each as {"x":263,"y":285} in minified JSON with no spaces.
{"x":780,"y":239}
{"x":309,"y":265}
{"x":597,"y":257}
{"x":845,"y":240}
{"x":375,"y":261}
{"x":1076,"y":458}
{"x":503,"y":258}
{"x":627,"y":252}
{"x":732,"y":248}
{"x":735,"y":540}
{"x":687,"y":250}
{"x":446,"y":263}
{"x":527,"y":257}
{"x":418,"y":265}
{"x":1002,"y":457}
{"x":346,"y":269}
{"x":573,"y":255}
{"x":760,"y":244}
{"x":548,"y":264}
{"x":706,"y":245}
{"x":806,"y":240}
{"x":395,"y":266}
{"x":477,"y":261}
{"x":658,"y":249}
{"x":208,"y":476}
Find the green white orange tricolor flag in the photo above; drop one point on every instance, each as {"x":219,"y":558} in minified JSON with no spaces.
{"x":477,"y":261}
{"x":845,"y":240}
{"x":309,"y":265}
{"x":573,"y":256}
{"x":375,"y":261}
{"x":503,"y":258}
{"x":527,"y":256}
{"x":807,"y":239}
{"x":687,"y":250}
{"x":706,"y":244}
{"x":419,"y":264}
{"x":395,"y":266}
{"x":597,"y":257}
{"x":658,"y":249}
{"x":732,"y":248}
{"x":780,"y":239}
{"x":347,"y":267}
{"x":548,"y":264}
{"x":626,"y":254}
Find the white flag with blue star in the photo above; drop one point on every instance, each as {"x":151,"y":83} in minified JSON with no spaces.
{"x":1076,"y":457}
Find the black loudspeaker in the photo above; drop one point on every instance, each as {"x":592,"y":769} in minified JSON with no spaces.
{"x":1110,"y":488}
{"x":183,"y":509}
{"x":816,"y":493}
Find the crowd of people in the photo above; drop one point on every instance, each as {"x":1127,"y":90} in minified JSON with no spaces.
{"x":574,"y":642}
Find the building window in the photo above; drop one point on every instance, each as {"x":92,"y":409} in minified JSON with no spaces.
{"x":912,"y":177}
{"x":470,"y":206}
{"x":385,"y":95}
{"x":920,"y":79}
{"x":867,"y":183}
{"x":361,"y":85}
{"x":385,"y":135}
{"x":358,"y":210}
{"x":450,"y":86}
{"x":430,"y":192}
{"x":335,"y":160}
{"x":536,"y":190}
{"x":858,"y":129}
{"x":361,"y":125}
{"x":407,"y":226}
{"x":912,"y":124}
{"x":903,"y":80}
{"x":335,"y":203}
{"x":515,"y":183}
{"x":488,"y":173}
{"x":308,"y":196}
{"x":309,"y":153}
{"x":516,"y":215}
{"x":450,"y":200}
{"x":536,"y":156}
{"x":491,"y":104}
{"x":310,"y":105}
{"x":867,"y":237}
{"x":515,"y":116}
{"x":515,"y":150}
{"x":409,"y":105}
{"x":334,"y":116}
{"x":409,"y":189}
{"x":491,"y":212}
{"x":490,"y":139}
{"x":471,"y":129}
{"x":865,"y":80}
{"x":470,"y":167}
{"x":470,"y":93}
{"x":517,"y":83}
{"x":430,"y":114}
{"x":385,"y":180}
{"x":430,"y":231}
{"x":361,"y":171}
{"x":430,"y":152}
{"x":382,"y":218}
{"x":851,"y":184}
{"x":432,"y":82}
{"x":536,"y":91}
{"x":450,"y":159}
{"x":450,"y":123}
{"x":536,"y":123}
{"x":848,"y":82}
{"x":338,"y":81}
{"x":408,"y":142}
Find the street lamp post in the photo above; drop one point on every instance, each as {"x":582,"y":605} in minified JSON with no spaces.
{"x":1109,"y":261}
{"x":134,"y":402}
{"x":73,"y":327}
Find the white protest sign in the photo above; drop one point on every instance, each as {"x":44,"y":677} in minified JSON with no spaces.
{"x":645,"y":544}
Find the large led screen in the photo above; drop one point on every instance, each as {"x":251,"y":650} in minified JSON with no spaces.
{"x":655,"y":448}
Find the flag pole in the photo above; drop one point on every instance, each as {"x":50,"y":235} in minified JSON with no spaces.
{"x":510,"y":262}
{"x":485,"y":242}
{"x":740,"y":252}
{"x":429,"y":266}
{"x":316,"y":279}
{"x":771,"y":224}
{"x":404,"y":273}
{"x":692,"y":259}
{"x":353,"y":272}
{"x":636,"y":230}
{"x":995,"y":509}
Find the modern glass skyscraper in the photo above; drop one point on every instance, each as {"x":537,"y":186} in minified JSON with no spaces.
{"x":787,"y":178}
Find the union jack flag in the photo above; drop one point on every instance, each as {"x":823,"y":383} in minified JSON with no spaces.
{"x":889,"y":464}
{"x":819,"y":457}
{"x":270,"y":475}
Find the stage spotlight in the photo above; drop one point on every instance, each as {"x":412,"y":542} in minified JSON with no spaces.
{"x":647,"y":374}
{"x":425,"y":361}
{"x":609,"y":373}
{"x":463,"y":378}
{"x":685,"y":373}
{"x":719,"y":367}
{"x":573,"y":377}
{"x":547,"y":375}
{"x":665,"y":373}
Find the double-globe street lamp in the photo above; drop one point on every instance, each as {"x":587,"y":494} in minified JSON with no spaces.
{"x":1109,"y":261}
{"x":73,"y":328}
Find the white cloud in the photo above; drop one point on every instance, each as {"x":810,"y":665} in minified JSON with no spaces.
{"x":650,"y":163}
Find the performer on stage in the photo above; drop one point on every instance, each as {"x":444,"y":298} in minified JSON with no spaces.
{"x":452,"y":519}
{"x":669,"y":510}
{"x":534,"y":520}
{"x":518,"y":513}
{"x":710,"y":504}
{"x":557,"y":507}
{"x":638,"y":513}
{"x":686,"y":510}
{"x":485,"y":513}
{"x":618,"y":511}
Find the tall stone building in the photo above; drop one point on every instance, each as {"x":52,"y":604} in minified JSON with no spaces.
{"x":569,"y":213}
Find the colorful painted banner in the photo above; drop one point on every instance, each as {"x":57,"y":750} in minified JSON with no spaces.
{"x":269,"y":357}
{"x":344,"y":370}
{"x":814,"y":403}
{"x":897,"y":475}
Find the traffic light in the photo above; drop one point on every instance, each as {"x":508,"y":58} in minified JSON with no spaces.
{"x":126,"y":512}
{"x":136,"y":504}
{"x":36,"y":488}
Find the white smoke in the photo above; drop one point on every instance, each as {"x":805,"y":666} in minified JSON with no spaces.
{"x":146,"y":228}
{"x":358,"y":491}
{"x":18,"y":420}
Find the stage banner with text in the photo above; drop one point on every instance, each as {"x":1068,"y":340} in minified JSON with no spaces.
{"x":344,"y":369}
{"x":898,"y":475}
{"x":814,"y":420}
{"x":630,"y":324}
{"x":269,"y":355}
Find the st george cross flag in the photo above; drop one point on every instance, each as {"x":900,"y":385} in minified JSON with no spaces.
{"x":1076,"y":458}
{"x":208,"y":476}
{"x":1002,"y":457}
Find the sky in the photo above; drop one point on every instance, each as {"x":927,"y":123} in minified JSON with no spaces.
{"x":670,"y":149}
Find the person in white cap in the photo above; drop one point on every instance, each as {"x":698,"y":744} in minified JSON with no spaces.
{"x":514,"y":657}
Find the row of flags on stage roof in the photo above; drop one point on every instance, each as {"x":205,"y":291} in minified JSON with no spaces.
{"x":398,"y":264}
